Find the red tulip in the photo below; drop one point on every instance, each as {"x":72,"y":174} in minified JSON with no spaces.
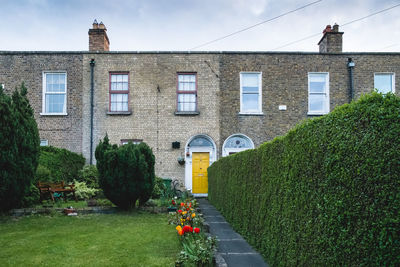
{"x":179,"y":211}
{"x":197,"y":230}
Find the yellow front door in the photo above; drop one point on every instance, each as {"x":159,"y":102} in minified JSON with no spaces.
{"x":200,"y":163}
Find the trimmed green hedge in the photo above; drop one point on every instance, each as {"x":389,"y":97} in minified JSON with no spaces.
{"x":59,"y":164}
{"x":326,"y":194}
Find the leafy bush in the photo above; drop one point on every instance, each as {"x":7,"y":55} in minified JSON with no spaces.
{"x":89,"y":175}
{"x":32,"y":197}
{"x":83,"y":192}
{"x":126,"y":173}
{"x":159,"y":188}
{"x":63,"y":164}
{"x":326,"y":194}
{"x":19,"y":147}
{"x":42,"y":174}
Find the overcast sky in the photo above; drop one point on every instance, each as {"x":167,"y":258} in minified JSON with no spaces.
{"x":180,"y":25}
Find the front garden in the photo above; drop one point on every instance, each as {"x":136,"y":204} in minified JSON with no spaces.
{"x":43,"y":182}
{"x":121,"y":239}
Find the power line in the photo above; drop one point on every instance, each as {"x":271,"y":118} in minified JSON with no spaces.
{"x":255,"y":25}
{"x":345,"y":24}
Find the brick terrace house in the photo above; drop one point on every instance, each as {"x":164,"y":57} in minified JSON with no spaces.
{"x":190,"y":107}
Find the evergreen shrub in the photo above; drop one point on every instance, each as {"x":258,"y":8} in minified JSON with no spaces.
{"x":19,"y":147}
{"x":325,"y":194}
{"x":63,"y":164}
{"x":126,"y":173}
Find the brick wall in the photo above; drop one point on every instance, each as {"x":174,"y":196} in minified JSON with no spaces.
{"x":153,"y":116}
{"x":285,"y":82}
{"x":28,"y":67}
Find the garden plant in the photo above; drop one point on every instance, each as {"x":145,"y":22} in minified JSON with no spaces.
{"x":325,"y":194}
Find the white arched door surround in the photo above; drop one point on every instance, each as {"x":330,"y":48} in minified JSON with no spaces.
{"x":198,"y":143}
{"x":236,"y":143}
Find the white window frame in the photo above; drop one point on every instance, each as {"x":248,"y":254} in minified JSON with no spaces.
{"x":327,"y":101}
{"x":64,"y":112}
{"x":386,"y":73}
{"x":254,"y":111}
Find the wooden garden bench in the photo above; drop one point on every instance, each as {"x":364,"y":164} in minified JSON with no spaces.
{"x":47,"y":188}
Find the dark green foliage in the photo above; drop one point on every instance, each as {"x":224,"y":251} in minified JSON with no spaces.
{"x":19,"y":147}
{"x":32,"y":197}
{"x":126,"y":173}
{"x":326,"y":194}
{"x":89,"y":175}
{"x":63,"y":164}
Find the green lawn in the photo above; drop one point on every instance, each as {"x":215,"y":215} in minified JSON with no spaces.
{"x":124,"y":239}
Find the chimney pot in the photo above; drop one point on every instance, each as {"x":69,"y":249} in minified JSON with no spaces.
{"x":95,"y":24}
{"x":335,"y":28}
{"x":328,"y":28}
{"x":102,"y":26}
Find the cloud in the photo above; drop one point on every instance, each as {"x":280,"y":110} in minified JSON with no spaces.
{"x":180,"y":25}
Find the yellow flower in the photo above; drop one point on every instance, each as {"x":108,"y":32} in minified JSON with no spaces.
{"x":193,"y":215}
{"x":179,"y":229}
{"x":184,"y":212}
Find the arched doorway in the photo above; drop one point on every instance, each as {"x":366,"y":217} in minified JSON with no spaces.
{"x":200,"y":153}
{"x":236,"y":143}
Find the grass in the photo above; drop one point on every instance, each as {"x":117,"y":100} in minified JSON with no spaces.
{"x":122,"y":239}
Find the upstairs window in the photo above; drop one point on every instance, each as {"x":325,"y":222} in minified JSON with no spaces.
{"x":54,"y":93}
{"x":318,"y":93}
{"x":119,"y":92}
{"x":250,"y":93}
{"x":384,"y":82}
{"x":187,"y":92}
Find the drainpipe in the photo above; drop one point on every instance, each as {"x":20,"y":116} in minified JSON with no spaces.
{"x":91,"y":108}
{"x":350,"y":66}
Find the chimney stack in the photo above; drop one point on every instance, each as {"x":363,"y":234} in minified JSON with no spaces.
{"x":98,"y":39}
{"x":332,"y":40}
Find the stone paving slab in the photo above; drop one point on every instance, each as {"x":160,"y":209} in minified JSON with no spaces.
{"x":231,"y":246}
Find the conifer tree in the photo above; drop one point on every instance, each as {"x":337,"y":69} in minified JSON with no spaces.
{"x":126,"y":173}
{"x":19,"y":147}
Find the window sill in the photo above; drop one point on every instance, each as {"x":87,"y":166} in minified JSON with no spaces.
{"x":53,"y":114}
{"x":123,"y":113}
{"x":317,"y":113}
{"x":187,"y":113}
{"x":250,"y":114}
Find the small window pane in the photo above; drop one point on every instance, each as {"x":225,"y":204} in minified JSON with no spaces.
{"x":317,"y":87}
{"x":317,"y":102}
{"x":250,"y":102}
{"x":250,"y":79}
{"x":44,"y":142}
{"x":383,"y":82}
{"x":55,"y":82}
{"x":55,"y":103}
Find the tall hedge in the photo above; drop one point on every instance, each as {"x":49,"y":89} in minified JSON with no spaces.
{"x":126,"y":173}
{"x":19,"y":147}
{"x":325,"y":194}
{"x":61,"y":164}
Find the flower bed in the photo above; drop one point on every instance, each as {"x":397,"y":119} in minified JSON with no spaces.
{"x":198,"y":248}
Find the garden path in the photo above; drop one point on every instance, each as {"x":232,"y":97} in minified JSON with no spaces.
{"x":231,"y":246}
